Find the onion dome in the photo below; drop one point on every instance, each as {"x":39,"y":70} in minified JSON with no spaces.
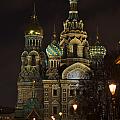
{"x":33,"y":33}
{"x":54,"y":49}
{"x":97,"y":50}
{"x":117,"y":61}
{"x":34,"y":28}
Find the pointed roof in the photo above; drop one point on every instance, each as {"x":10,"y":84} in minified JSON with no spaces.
{"x":33,"y":114}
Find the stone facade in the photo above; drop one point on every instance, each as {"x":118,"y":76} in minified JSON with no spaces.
{"x":70,"y":75}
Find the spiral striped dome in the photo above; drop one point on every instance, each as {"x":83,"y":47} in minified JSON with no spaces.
{"x":54,"y":50}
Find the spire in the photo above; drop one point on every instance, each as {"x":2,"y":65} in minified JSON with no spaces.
{"x":54,"y":33}
{"x":97,"y":34}
{"x":34,"y":16}
{"x":73,"y":12}
{"x":73,"y":22}
{"x":34,"y":11}
{"x":33,"y":89}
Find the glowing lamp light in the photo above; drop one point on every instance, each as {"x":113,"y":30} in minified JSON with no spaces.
{"x":75,"y":107}
{"x":60,"y":113}
{"x":34,"y":118}
{"x":112,"y":88}
{"x":34,"y":81}
{"x":31,"y":31}
{"x":52,"y":117}
{"x":37,"y":33}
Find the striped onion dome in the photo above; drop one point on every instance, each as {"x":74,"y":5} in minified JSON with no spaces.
{"x":97,"y":50}
{"x":54,"y":49}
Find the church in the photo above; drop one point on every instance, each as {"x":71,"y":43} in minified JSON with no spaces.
{"x":70,"y":72}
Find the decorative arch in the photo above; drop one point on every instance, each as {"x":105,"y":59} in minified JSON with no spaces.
{"x":24,"y":54}
{"x":34,"y":57}
{"x":70,"y":107}
{"x":76,"y":71}
{"x":55,"y":102}
{"x":75,"y":41}
{"x":33,"y":52}
{"x":24,"y":58}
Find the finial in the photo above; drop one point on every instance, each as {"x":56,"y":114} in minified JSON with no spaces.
{"x":54,"y":33}
{"x":34,"y":10}
{"x":97,"y":34}
{"x":54,"y":29}
{"x":33,"y":89}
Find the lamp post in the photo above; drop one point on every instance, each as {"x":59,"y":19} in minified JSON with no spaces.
{"x":60,"y":114}
{"x":75,"y":108}
{"x":52,"y":117}
{"x":112,"y":88}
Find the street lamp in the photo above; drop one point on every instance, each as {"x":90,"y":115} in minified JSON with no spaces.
{"x":75,"y":108}
{"x":60,"y":114}
{"x":112,"y":88}
{"x":52,"y":117}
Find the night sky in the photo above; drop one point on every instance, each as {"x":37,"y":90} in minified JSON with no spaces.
{"x":14,"y":15}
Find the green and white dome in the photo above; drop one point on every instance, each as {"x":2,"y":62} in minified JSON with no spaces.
{"x":54,"y":49}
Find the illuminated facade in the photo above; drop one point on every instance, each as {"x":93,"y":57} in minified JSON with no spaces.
{"x":72,"y":72}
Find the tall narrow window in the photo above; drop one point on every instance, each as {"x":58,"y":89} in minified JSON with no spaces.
{"x":77,"y":92}
{"x":54,"y":110}
{"x":65,"y":51}
{"x":74,"y":50}
{"x":54,"y":92}
{"x":33,"y":62}
{"x":72,"y":92}
{"x":51,"y":63}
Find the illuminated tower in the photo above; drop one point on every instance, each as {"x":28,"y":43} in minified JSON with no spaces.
{"x":32,"y":66}
{"x":68,"y":73}
{"x":73,"y":41}
{"x":97,"y":53}
{"x":73,"y":38}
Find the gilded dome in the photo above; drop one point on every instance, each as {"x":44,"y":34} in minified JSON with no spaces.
{"x":33,"y":27}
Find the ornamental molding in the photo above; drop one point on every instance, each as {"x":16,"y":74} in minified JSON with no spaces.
{"x":77,"y":66}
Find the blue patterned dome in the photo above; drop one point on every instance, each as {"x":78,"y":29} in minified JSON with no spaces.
{"x":54,"y":49}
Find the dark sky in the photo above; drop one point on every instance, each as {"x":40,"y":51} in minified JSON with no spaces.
{"x":14,"y":14}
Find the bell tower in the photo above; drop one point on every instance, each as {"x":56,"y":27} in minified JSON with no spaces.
{"x":32,"y":63}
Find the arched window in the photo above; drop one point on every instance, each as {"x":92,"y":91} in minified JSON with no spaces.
{"x":74,"y":50}
{"x":33,"y":61}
